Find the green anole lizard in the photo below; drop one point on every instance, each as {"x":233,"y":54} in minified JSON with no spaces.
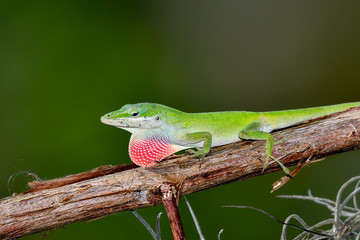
{"x":159,"y":131}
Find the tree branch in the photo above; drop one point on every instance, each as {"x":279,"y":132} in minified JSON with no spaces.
{"x":108,"y":190}
{"x":169,"y":193}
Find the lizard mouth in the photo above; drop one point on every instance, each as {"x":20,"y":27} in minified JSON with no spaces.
{"x":124,"y":123}
{"x":138,"y":123}
{"x":114,"y":122}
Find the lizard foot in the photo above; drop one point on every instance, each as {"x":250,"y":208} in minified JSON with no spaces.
{"x":266,"y":164}
{"x":197,"y":154}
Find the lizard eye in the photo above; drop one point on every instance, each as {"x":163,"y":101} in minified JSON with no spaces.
{"x":134,"y":114}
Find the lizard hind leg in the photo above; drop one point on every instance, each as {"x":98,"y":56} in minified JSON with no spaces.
{"x":251,"y":132}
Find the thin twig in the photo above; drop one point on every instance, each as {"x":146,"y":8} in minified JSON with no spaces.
{"x":219,"y":234}
{"x":281,"y":222}
{"x":169,"y":194}
{"x":158,"y":230}
{"x":146,"y":225}
{"x":195,"y":219}
{"x":354,"y":198}
{"x":322,"y":201}
{"x":339,"y":206}
{"x":340,"y":229}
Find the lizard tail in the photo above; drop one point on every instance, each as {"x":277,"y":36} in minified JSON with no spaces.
{"x":291,"y":117}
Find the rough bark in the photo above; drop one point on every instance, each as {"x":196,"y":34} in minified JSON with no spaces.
{"x":58,"y":202}
{"x":169,"y":198}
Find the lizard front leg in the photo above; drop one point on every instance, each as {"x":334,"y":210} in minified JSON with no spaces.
{"x":252,"y":132}
{"x":196,"y":137}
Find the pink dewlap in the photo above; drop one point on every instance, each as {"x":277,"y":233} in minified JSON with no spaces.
{"x":146,"y":152}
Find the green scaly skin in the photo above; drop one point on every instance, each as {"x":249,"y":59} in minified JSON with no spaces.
{"x":177,"y":130}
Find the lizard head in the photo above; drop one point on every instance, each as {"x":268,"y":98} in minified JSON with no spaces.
{"x":136,"y":116}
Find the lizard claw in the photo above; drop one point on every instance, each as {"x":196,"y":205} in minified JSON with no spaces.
{"x":280,"y":141}
{"x":196,"y":154}
{"x":266,"y":164}
{"x":190,"y":151}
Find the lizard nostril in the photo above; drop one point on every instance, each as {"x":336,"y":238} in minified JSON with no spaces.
{"x":108,"y":115}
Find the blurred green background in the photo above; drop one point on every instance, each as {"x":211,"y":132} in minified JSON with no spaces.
{"x":63,"y":64}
